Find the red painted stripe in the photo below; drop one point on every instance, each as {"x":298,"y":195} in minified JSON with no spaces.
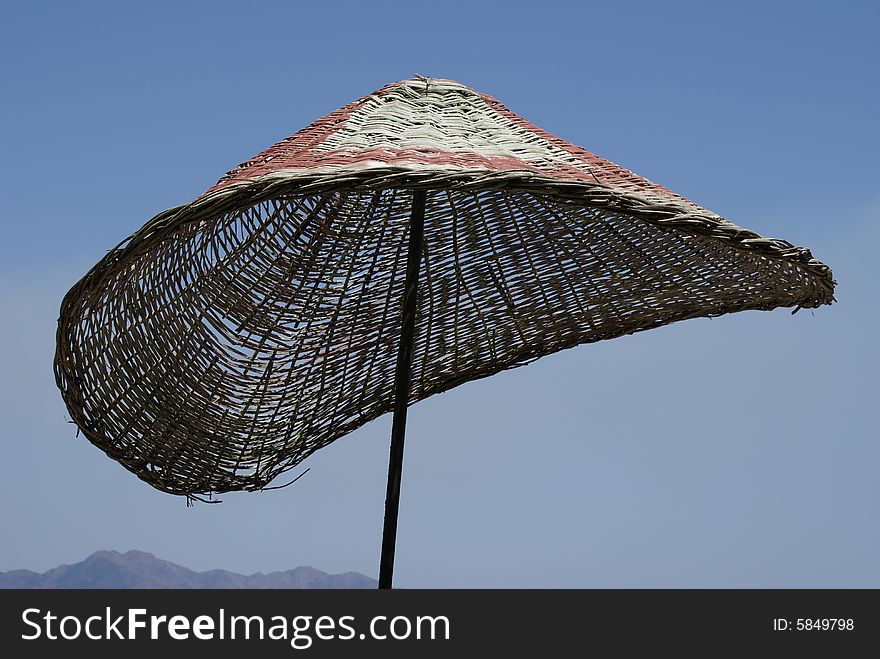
{"x":296,"y":152}
{"x":605,"y":171}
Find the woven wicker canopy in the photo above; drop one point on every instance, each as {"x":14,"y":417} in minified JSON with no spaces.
{"x":231,"y":337}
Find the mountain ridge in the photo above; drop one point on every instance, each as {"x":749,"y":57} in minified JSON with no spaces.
{"x":140,"y":569}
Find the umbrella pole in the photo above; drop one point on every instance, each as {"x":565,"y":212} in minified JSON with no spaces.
{"x":402,"y":376}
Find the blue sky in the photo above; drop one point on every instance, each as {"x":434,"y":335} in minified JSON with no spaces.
{"x":737,"y":451}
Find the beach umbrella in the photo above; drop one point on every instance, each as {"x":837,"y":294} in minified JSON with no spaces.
{"x":418,"y":238}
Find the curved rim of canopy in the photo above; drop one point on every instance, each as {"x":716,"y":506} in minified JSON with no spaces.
{"x":668,"y":215}
{"x":665,"y":214}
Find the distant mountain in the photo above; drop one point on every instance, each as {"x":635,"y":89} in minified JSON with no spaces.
{"x":138,"y":569}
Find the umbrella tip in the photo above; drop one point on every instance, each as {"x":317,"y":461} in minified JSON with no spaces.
{"x":425,"y":79}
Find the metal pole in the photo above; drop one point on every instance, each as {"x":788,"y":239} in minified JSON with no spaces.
{"x":402,"y":376}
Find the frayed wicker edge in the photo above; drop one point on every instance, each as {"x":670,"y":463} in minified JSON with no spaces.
{"x":660,"y":213}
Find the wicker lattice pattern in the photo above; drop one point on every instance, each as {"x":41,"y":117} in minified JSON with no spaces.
{"x":230,"y":338}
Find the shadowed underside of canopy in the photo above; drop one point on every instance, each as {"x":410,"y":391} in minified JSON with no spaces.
{"x":231,"y":337}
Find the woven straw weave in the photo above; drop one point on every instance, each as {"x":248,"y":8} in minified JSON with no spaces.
{"x":231,"y":337}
